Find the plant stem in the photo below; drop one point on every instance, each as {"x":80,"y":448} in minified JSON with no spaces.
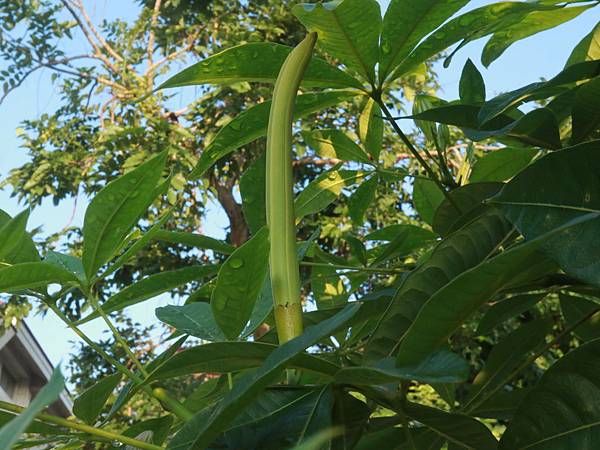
{"x":94,"y":302}
{"x":165,"y":399}
{"x":413,"y":150}
{"x":83,"y":428}
{"x":342,"y":267}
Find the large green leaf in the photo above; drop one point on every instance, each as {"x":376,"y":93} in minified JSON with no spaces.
{"x":467,"y":203}
{"x":563,"y":410}
{"x":323,"y":190}
{"x":67,"y":262}
{"x":534,"y":91}
{"x":441,"y":367}
{"x":16,"y":245}
{"x":194,"y":240}
{"x":10,"y":432}
{"x":89,"y":404}
{"x":465,"y":28}
{"x":575,"y":309}
{"x":280,"y":418}
{"x":427,"y":196}
{"x":407,"y":239}
{"x":150,"y":287}
{"x":405,"y":23}
{"x":436,"y":322}
{"x":506,"y":309}
{"x":588,"y":48}
{"x":200,"y":431}
{"x":531,"y":24}
{"x":239,"y":283}
{"x":507,"y":356}
{"x":33,"y":275}
{"x":370,"y":128}
{"x":116,"y":209}
{"x":350,"y":416}
{"x":586,"y":114}
{"x":451,"y":257}
{"x":239,"y":63}
{"x":224,"y":357}
{"x":459,"y":430}
{"x":342,"y":31}
{"x":501,"y":164}
{"x":567,"y":187}
{"x":391,"y":232}
{"x":333,"y":143}
{"x":195,"y":319}
{"x":253,"y":192}
{"x":252,"y":124}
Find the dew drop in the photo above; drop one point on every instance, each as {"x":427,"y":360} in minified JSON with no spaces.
{"x":236,"y":263}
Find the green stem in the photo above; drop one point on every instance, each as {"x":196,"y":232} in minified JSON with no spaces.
{"x":83,"y":428}
{"x":342,"y":267}
{"x":414,"y":151}
{"x":172,"y":404}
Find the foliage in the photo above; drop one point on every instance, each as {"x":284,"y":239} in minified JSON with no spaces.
{"x":422,"y":328}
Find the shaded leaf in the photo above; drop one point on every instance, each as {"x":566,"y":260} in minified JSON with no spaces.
{"x":588,"y":48}
{"x":370,"y":128}
{"x":586,"y":115}
{"x":90,"y":403}
{"x":361,"y":199}
{"x":332,"y":143}
{"x":575,"y":309}
{"x":502,"y":164}
{"x":506,"y":309}
{"x":194,"y":240}
{"x":550,"y":416}
{"x":239,"y":283}
{"x":16,"y":245}
{"x":471,"y":88}
{"x":195,"y":319}
{"x":426,"y":198}
{"x":252,"y":190}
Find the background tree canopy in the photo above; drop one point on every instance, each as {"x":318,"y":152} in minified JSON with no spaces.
{"x":450,"y":298}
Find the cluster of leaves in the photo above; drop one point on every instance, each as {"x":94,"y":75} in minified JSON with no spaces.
{"x":394,"y":307}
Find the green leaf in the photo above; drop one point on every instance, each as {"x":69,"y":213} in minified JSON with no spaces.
{"x":115,"y":210}
{"x":467,"y":204}
{"x":531,"y":24}
{"x":262,"y":307}
{"x":252,"y":190}
{"x":534,"y":91}
{"x":588,"y":48}
{"x":465,"y":28}
{"x":224,"y":357}
{"x":426,"y":198}
{"x":200,"y":431}
{"x":350,"y":415}
{"x":407,"y":239}
{"x":451,"y":257}
{"x":239,"y":283}
{"x":370,"y":128}
{"x":89,"y":404}
{"x":467,"y":292}
{"x":361,"y":199}
{"x":440,"y":367}
{"x":67,"y":262}
{"x":471,"y":87}
{"x":501,"y":405}
{"x":567,"y":188}
{"x":281,"y":417}
{"x":239,"y":63}
{"x":502,"y":164}
{"x":33,"y":275}
{"x":151,"y":287}
{"x":332,"y":143}
{"x":194,"y":240}
{"x":159,"y":427}
{"x":340,"y":25}
{"x":327,"y":287}
{"x":16,"y":245}
{"x":459,"y":430}
{"x":586,"y":115}
{"x":323,"y":191}
{"x":195,"y":319}
{"x":506,"y":357}
{"x":391,"y":232}
{"x":575,"y":309}
{"x":422,"y":103}
{"x":405,"y":23}
{"x":10,"y":433}
{"x":506,"y":309}
{"x":252,"y":124}
{"x":563,"y":410}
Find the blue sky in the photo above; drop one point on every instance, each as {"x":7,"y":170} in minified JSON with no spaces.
{"x":542,"y":55}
